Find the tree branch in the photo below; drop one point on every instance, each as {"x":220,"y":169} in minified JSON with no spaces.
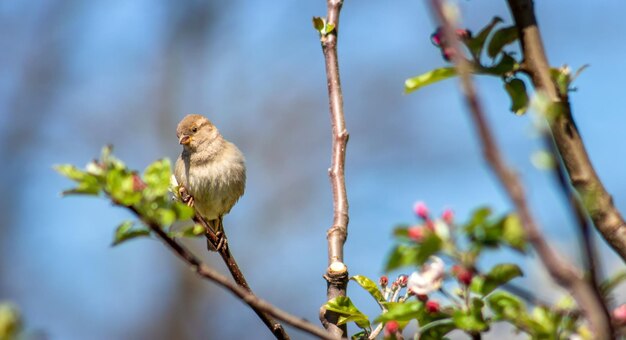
{"x":337,"y":273}
{"x":257,"y":304}
{"x":582,"y":175}
{"x":590,"y":259}
{"x":562,"y":272}
{"x":224,"y":251}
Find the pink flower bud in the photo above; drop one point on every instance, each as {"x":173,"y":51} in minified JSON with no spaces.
{"x":402,"y":280}
{"x":416,"y":233}
{"x":464,"y":275}
{"x":383,"y":281}
{"x":421,"y":210}
{"x":391,"y":328}
{"x":138,"y":183}
{"x":437,"y":37}
{"x":463,"y":33}
{"x":448,"y":53}
{"x":422,"y":297}
{"x":448,"y":216}
{"x":432,"y":306}
{"x":619,"y":314}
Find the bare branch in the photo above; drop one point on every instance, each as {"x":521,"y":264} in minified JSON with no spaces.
{"x":257,"y":304}
{"x":562,"y":272}
{"x":582,"y":175}
{"x":224,"y":251}
{"x":337,"y":272}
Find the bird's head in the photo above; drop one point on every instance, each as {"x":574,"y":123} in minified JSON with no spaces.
{"x":195,"y":130}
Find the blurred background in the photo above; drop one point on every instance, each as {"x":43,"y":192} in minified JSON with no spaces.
{"x":76,"y":75}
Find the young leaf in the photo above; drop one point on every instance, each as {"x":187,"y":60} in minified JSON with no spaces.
{"x":370,"y":286}
{"x":611,"y":283}
{"x":477,"y":43}
{"x":519,"y":97}
{"x":513,"y":233}
{"x":318,"y":24}
{"x":471,"y":320}
{"x":348,"y":311}
{"x":401,"y":311}
{"x":505,"y":306}
{"x":501,"y":38}
{"x":428,"y":78}
{"x":87,"y":183}
{"x":125,"y":232}
{"x":157,"y":177}
{"x":499,"y":275}
{"x":505,"y":66}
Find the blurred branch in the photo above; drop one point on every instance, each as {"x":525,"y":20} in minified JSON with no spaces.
{"x":224,"y":251}
{"x":582,"y":175}
{"x":589,"y":253}
{"x":562,"y":272}
{"x":257,"y":304}
{"x":337,"y":272}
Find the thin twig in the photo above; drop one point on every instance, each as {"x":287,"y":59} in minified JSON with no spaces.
{"x":582,"y":175}
{"x":562,"y":272}
{"x":248,"y":297}
{"x":224,"y":251}
{"x":337,"y":272}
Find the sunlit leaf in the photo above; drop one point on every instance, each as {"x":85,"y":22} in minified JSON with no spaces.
{"x":370,"y":286}
{"x":127,"y":231}
{"x":404,"y":311}
{"x":513,"y":233}
{"x":428,"y":78}
{"x":348,"y":311}
{"x":401,"y":256}
{"x":471,"y":320}
{"x":157,"y":177}
{"x":87,"y":183}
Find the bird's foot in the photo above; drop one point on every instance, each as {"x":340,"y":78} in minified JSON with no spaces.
{"x":185,"y":196}
{"x":222,"y":242}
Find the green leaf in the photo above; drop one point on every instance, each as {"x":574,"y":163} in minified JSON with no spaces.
{"x":87,"y":183}
{"x":430,"y":245}
{"x":157,"y":177}
{"x":499,"y":275}
{"x":348,"y":311}
{"x":443,"y":323}
{"x":318,"y":24}
{"x":401,"y":256}
{"x":183,"y":211}
{"x":505,"y":66}
{"x":517,"y":92}
{"x":505,"y":306}
{"x":471,"y":320}
{"x":401,"y":311}
{"x":165,"y":216}
{"x":428,"y":78}
{"x":501,"y":38}
{"x":120,"y":185}
{"x":125,"y":232}
{"x":10,"y":322}
{"x":477,"y":43}
{"x":513,"y":233}
{"x":362,"y":335}
{"x":479,"y":217}
{"x":370,"y":286}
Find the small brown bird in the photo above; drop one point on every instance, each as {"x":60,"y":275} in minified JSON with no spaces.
{"x":211,"y":169}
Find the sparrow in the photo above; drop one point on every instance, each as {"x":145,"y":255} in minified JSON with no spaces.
{"x":210,"y":169}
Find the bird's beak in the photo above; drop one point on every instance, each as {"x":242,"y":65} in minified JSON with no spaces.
{"x":184,"y":140}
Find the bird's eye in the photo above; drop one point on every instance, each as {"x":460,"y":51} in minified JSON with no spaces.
{"x":194,"y":130}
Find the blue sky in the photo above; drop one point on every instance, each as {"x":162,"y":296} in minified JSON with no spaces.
{"x":84,"y":74}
